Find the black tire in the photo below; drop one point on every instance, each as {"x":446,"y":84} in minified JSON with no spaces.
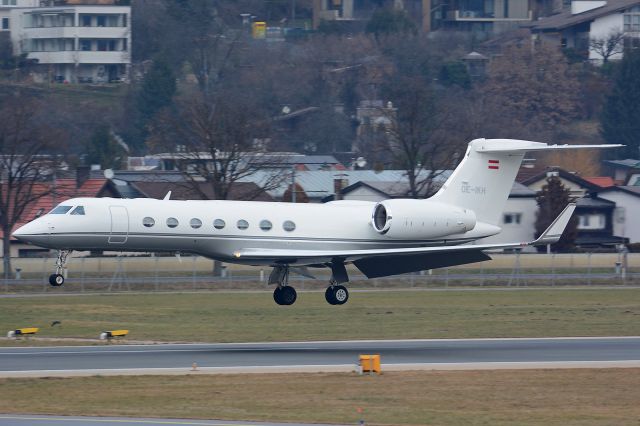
{"x":277,"y":295}
{"x":340,"y":294}
{"x":330,"y":296}
{"x":288,"y":295}
{"x":56,"y":280}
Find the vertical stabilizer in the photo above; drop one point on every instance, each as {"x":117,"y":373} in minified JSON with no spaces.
{"x":483,"y":180}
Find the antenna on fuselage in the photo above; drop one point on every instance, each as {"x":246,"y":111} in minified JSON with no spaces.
{"x":168,"y":196}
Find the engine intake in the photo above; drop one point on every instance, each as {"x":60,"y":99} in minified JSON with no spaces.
{"x":420,"y":219}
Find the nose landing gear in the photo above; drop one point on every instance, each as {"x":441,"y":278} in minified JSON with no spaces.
{"x":57,"y":279}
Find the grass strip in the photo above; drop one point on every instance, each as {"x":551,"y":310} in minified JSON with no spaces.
{"x":251,"y":317}
{"x":505,"y":397}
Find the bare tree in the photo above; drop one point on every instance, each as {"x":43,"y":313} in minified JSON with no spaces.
{"x":607,"y":46}
{"x":418,"y":135}
{"x":218,"y":145}
{"x":26,"y":165}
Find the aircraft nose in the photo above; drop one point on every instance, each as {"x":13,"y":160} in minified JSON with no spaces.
{"x":33,"y":232}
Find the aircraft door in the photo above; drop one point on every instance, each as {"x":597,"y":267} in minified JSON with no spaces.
{"x":119,"y":225}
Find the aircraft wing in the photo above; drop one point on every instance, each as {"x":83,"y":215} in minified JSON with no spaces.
{"x":440,"y":256}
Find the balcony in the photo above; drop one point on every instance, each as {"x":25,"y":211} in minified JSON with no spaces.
{"x":481,"y":16}
{"x":81,"y":57}
{"x":80,"y":32}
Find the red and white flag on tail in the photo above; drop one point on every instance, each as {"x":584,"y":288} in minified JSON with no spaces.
{"x":494,"y":164}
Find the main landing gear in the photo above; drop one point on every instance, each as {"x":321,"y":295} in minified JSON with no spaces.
{"x":336,"y":294}
{"x":57,"y":279}
{"x":284,"y":294}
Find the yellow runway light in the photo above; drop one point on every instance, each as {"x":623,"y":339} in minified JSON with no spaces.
{"x":23,"y":332}
{"x":108,"y":335}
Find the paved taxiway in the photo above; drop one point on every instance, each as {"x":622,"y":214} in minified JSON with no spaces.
{"x":321,"y":356}
{"x":10,"y":420}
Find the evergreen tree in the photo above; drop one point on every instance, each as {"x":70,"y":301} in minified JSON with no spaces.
{"x":386,"y":21}
{"x":156,"y":93}
{"x":620,"y":122}
{"x":104,"y":150}
{"x":552,"y":199}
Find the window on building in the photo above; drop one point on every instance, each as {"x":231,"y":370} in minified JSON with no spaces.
{"x":265,"y":225}
{"x":172,"y":222}
{"x":288,"y":226}
{"x":242,"y":224}
{"x":591,"y":221}
{"x":512,"y":218}
{"x":85,"y":45}
{"x":632,"y":20}
{"x":102,"y":45}
{"x":219,"y":224}
{"x":85,"y":20}
{"x":148,"y":222}
{"x":195,"y":223}
{"x":102,"y":21}
{"x":5,"y":23}
{"x":111,"y":45}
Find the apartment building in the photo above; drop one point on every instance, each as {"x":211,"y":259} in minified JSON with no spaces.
{"x":5,"y":11}
{"x":75,"y":42}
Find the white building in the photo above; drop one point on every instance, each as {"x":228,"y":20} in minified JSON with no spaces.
{"x":5,"y":11}
{"x":626,"y":220}
{"x":75,"y":43}
{"x":593,"y":20}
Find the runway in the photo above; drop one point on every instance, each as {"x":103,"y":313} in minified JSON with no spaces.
{"x":446,"y":354}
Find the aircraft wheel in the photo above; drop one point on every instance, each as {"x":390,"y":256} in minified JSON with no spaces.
{"x":285,"y":295}
{"x":340,"y":294}
{"x":329,"y":295}
{"x":56,"y":280}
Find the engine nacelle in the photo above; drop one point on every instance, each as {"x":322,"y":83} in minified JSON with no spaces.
{"x":420,"y":219}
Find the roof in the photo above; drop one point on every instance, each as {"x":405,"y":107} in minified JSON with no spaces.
{"x":601,"y":181}
{"x":632,"y":190}
{"x":572,"y":177}
{"x":567,"y":19}
{"x":318,"y":184}
{"x":186,"y":191}
{"x":628,"y":163}
{"x":594,"y":202}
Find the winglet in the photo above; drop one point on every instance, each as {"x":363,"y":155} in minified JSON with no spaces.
{"x":553,"y":233}
{"x":168,"y":196}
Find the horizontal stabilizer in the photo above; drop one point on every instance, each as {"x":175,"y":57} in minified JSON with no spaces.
{"x":515,"y":145}
{"x":552,"y":234}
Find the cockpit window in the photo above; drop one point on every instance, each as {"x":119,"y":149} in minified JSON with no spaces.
{"x":61,"y":210}
{"x":78,"y":210}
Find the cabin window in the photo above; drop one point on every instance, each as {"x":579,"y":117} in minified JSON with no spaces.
{"x":172,"y":222}
{"x":61,"y":210}
{"x":243,"y":224}
{"x":265,"y":225}
{"x":288,"y":226}
{"x":219,"y":224}
{"x":148,"y":222}
{"x":195,"y":223}
{"x":78,"y":210}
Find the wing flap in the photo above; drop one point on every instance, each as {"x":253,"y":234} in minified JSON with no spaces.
{"x":373,"y":267}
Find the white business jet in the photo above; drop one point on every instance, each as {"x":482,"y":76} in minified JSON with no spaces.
{"x":386,"y":238}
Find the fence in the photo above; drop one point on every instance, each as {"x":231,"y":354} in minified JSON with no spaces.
{"x":153,"y":273}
